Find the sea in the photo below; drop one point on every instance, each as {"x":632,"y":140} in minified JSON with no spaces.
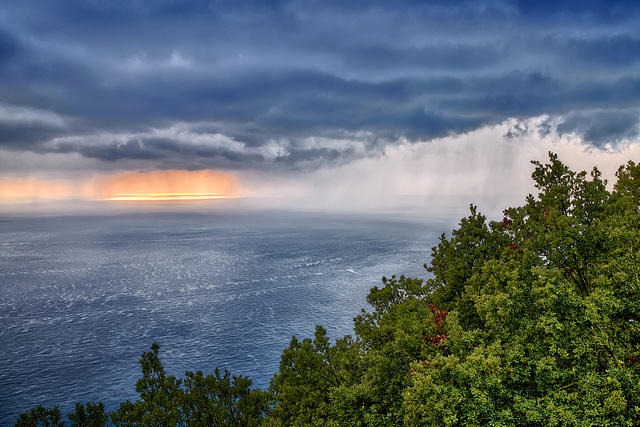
{"x":84,"y":294}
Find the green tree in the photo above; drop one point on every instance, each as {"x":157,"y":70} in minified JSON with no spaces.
{"x":359,"y":382}
{"x":40,"y":417}
{"x":310,"y":371}
{"x":558,"y":341}
{"x":160,"y":394}
{"x":90,"y":415}
{"x":456,"y":260}
{"x":223,"y":400}
{"x":391,"y":337}
{"x":197,"y":400}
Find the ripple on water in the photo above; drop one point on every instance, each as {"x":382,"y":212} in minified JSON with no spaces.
{"x":84,"y":297}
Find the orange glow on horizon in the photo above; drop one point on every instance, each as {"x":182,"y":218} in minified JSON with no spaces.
{"x":165,"y":186}
{"x":32,"y":188}
{"x":165,"y":196}
{"x":153,"y":186}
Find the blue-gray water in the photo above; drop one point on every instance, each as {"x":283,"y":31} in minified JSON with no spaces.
{"x":84,"y":295}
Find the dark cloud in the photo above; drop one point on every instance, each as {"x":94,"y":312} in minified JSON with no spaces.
{"x":610,"y":52}
{"x":436,"y":57}
{"x":10,"y":46}
{"x":111,"y":153}
{"x":249,"y":84}
{"x":602,"y":127}
{"x":593,"y":9}
{"x":27,"y":136}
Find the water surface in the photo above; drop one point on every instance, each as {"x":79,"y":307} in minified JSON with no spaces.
{"x":84,"y":295}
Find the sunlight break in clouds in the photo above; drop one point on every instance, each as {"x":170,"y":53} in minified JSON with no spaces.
{"x":159,"y":186}
{"x":164,"y":185}
{"x":31,"y":188}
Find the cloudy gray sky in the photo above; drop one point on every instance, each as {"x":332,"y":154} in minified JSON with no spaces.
{"x":334,"y":99}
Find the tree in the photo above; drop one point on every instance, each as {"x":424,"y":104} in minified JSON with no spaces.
{"x":90,"y":415}
{"x":359,"y":382}
{"x":559,"y":304}
{"x":161,"y":397}
{"x":529,"y":321}
{"x":197,"y":400}
{"x":223,"y":400}
{"x":310,"y":371}
{"x":456,"y":260}
{"x":40,"y":417}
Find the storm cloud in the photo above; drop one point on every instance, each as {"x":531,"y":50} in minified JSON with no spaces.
{"x":307,"y":84}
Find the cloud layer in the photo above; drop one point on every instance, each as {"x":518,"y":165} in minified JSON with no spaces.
{"x":302,"y":86}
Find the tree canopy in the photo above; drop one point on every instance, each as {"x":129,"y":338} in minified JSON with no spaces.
{"x":533,"y":320}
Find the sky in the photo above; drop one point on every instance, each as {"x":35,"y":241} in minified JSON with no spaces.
{"x":337,"y":103}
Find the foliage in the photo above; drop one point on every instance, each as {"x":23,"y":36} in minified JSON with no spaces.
{"x":529,"y":321}
{"x":309,"y":371}
{"x":196,"y":400}
{"x":91,"y":415}
{"x":559,"y":308}
{"x":40,"y":417}
{"x":454,"y":261}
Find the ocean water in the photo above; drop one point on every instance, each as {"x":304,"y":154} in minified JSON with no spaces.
{"x":84,"y":295}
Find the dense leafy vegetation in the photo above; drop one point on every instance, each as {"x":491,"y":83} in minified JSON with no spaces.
{"x":529,"y":321}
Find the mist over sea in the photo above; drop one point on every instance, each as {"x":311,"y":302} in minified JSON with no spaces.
{"x":83,"y":295}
